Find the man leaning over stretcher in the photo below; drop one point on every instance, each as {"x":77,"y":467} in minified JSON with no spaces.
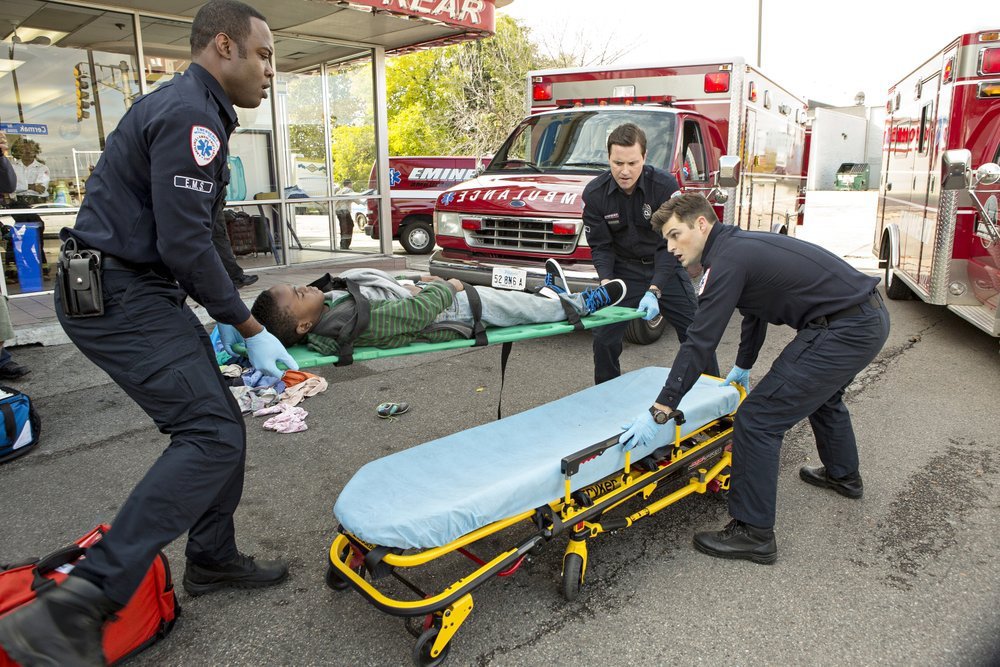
{"x":432,"y":310}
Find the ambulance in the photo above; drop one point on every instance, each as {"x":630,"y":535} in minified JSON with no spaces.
{"x":936,"y":235}
{"x":498,"y":228}
{"x":414,"y":184}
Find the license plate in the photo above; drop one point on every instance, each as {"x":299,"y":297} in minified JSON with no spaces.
{"x":507,"y":278}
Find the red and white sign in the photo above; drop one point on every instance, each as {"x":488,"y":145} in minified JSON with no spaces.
{"x":474,"y":14}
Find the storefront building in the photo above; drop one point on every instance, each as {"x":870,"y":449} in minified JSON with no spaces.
{"x":70,"y":70}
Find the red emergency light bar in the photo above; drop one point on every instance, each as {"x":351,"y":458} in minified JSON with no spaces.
{"x":752,"y":93}
{"x":541,"y":92}
{"x":949,"y":70}
{"x":602,"y":101}
{"x":717,"y":82}
{"x":989,"y":61}
{"x":472,"y":224}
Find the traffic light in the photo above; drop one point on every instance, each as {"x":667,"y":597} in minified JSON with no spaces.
{"x":82,"y":94}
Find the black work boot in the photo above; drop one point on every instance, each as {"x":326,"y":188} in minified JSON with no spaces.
{"x":739,"y":540}
{"x":61,"y":628}
{"x":849,"y":486}
{"x":240,"y":572}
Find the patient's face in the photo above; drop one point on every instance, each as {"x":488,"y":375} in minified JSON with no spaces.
{"x":305,"y":303}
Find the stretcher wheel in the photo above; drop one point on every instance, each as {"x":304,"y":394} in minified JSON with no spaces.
{"x":422,"y":649}
{"x":572,"y":579}
{"x":337,"y":582}
{"x":416,"y":625}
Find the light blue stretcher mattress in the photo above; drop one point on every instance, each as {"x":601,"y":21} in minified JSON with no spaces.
{"x":432,"y":494}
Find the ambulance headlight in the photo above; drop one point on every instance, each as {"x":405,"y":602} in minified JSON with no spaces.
{"x":447,"y":224}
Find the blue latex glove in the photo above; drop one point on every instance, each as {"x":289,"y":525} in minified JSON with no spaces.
{"x":640,"y":432}
{"x":265,"y":351}
{"x":738,"y":375}
{"x":229,"y":337}
{"x":649,"y":306}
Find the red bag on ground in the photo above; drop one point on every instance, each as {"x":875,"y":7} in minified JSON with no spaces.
{"x":147,"y":618}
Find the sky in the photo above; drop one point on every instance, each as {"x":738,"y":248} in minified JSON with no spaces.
{"x":824,"y":50}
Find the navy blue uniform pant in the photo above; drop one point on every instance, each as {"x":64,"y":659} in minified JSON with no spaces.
{"x":808,"y":379}
{"x":154,"y":348}
{"x":677,"y":305}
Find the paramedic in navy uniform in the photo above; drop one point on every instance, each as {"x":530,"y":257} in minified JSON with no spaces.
{"x":841,"y":323}
{"x":150,"y":206}
{"x":617,"y":207}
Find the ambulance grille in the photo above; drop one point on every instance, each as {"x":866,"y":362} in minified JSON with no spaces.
{"x":524,"y":234}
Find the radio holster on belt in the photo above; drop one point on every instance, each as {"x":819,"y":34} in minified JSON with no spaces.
{"x":79,"y":276}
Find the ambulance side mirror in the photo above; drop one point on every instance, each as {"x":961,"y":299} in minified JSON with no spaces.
{"x":955,"y":169}
{"x":729,"y":171}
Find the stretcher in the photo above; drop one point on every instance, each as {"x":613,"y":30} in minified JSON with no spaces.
{"x":528,"y":477}
{"x":307,"y":358}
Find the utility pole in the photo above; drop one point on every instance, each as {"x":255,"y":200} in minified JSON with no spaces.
{"x":760,"y":24}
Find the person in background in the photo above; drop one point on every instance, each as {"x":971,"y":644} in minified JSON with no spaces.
{"x":220,"y":239}
{"x":9,"y":370}
{"x":32,"y":175}
{"x":342,"y":207}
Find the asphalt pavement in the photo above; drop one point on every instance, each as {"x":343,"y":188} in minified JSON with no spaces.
{"x":908,"y":575}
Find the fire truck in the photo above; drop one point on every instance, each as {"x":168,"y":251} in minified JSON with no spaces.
{"x":936,"y":235}
{"x":414,"y":184}
{"x":499,"y":228}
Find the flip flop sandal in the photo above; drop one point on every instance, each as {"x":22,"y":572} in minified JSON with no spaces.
{"x":390,"y":410}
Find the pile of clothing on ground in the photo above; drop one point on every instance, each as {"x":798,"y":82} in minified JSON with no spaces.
{"x":264,"y":395}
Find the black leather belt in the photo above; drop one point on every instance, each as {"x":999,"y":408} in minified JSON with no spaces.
{"x":874,"y":300}
{"x":638,"y":260}
{"x":110,"y":262}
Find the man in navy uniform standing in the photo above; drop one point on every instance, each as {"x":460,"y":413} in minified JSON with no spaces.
{"x":841,"y":323}
{"x":150,"y":206}
{"x":617,"y":207}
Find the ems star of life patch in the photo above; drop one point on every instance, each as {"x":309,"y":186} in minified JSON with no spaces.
{"x":195,"y":184}
{"x":704,"y":279}
{"x":204,"y":145}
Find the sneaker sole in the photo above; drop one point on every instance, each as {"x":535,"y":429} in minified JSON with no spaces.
{"x":194,"y":590}
{"x":824,"y":484}
{"x":562,"y":276}
{"x":729,"y":555}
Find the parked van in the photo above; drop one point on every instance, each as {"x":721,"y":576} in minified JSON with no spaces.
{"x":414,"y":186}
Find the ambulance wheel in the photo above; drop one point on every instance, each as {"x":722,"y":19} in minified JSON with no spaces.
{"x":641,"y":332}
{"x":417,"y":237}
{"x":422,"y":650}
{"x":895,"y":288}
{"x":361,"y":220}
{"x":572,"y":579}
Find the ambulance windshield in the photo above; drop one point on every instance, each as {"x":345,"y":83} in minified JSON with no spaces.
{"x":578,"y":140}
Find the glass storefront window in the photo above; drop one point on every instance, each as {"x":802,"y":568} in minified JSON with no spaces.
{"x":61,"y":93}
{"x":325,"y":92}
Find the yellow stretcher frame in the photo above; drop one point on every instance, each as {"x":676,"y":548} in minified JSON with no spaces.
{"x":581,"y":512}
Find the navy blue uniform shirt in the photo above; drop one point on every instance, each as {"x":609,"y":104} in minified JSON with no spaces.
{"x":617,"y":225}
{"x":8,"y":177}
{"x":770,"y":278}
{"x":154,"y":194}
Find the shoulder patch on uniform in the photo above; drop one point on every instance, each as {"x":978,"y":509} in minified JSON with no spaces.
{"x":195,"y":184}
{"x":703,"y":281}
{"x":205,"y":145}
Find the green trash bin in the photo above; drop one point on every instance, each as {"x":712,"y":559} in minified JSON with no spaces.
{"x":852,"y":176}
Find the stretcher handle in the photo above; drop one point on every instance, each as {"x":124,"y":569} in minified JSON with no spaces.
{"x":571,"y":464}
